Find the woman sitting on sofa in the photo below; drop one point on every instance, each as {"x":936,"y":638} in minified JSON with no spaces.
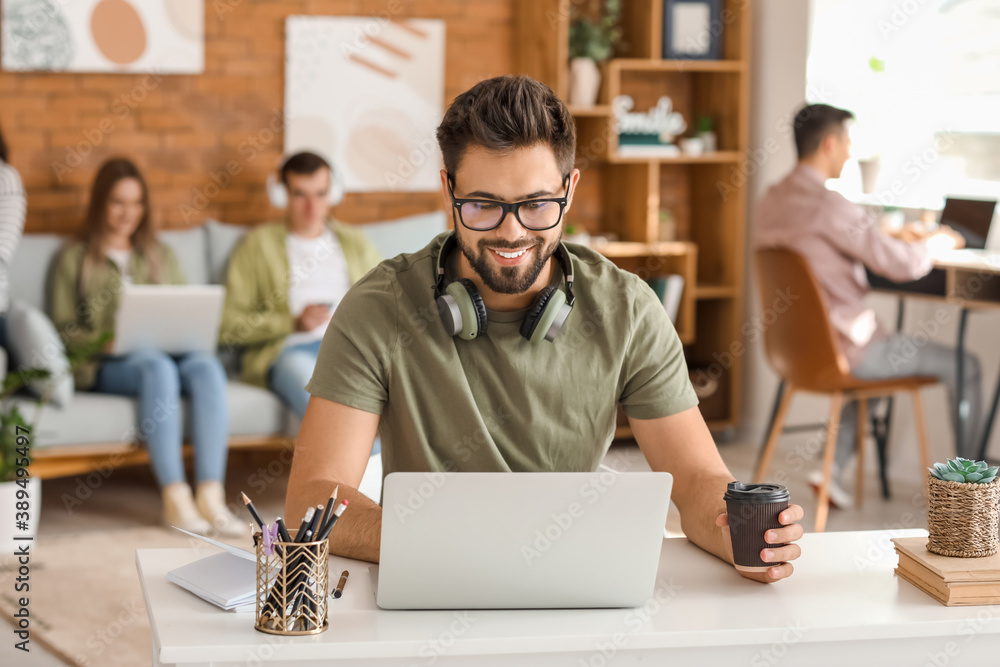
{"x":119,"y":247}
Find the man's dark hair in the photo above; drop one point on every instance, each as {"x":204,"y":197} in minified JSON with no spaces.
{"x":505,"y":113}
{"x":813,"y":123}
{"x":303,"y":163}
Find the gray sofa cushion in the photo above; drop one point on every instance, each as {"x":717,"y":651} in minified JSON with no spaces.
{"x":222,"y":238}
{"x":191,"y":248}
{"x":104,"y":418}
{"x":30,"y":266}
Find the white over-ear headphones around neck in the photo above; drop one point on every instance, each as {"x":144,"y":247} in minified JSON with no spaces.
{"x":278,"y":193}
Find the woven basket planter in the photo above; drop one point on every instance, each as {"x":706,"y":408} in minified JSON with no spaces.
{"x":963,"y":518}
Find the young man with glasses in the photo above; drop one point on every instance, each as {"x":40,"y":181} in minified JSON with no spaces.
{"x":497,"y":348}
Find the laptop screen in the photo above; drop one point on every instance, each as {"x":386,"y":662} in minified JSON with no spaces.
{"x":971,"y":218}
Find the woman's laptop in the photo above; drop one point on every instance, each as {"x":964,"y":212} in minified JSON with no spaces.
{"x":520,"y":540}
{"x":175,"y":319}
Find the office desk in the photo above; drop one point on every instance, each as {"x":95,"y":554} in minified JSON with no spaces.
{"x":842,"y":606}
{"x":971,"y":282}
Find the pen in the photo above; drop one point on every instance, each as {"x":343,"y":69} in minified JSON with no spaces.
{"x":282,"y":531}
{"x":317,"y":515}
{"x":340,"y":584}
{"x":253,"y":511}
{"x":306,"y":522}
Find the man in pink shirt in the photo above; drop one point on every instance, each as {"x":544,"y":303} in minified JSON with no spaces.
{"x":839,"y":239}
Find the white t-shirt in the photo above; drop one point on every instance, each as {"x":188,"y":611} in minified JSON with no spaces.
{"x":317,"y":274}
{"x":121,"y":258}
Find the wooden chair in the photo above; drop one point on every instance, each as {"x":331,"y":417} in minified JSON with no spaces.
{"x":801,"y":347}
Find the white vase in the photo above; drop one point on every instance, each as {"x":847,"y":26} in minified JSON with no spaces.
{"x":8,"y":513}
{"x":584,"y":82}
{"x":869,"y":174}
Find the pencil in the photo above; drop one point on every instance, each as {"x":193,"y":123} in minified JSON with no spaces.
{"x":329,"y":508}
{"x":325,"y":530}
{"x":253,"y":511}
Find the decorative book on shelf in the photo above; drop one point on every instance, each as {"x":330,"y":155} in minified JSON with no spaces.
{"x":669,"y":289}
{"x":950,"y":581}
{"x":647,"y":134}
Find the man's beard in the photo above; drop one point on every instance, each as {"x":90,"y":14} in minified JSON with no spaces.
{"x":507,"y":279}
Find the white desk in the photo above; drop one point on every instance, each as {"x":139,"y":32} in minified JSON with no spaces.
{"x":842,"y":606}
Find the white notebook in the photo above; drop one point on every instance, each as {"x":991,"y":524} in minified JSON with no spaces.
{"x":225,"y":579}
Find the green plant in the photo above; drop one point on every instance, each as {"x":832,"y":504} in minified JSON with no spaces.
{"x":704,"y":124}
{"x":964,"y":470}
{"x":11,"y":417}
{"x":595,"y":40}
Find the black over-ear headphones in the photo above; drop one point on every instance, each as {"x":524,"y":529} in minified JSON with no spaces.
{"x":464,"y":314}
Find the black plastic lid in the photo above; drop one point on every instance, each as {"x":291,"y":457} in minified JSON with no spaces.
{"x":757,"y":494}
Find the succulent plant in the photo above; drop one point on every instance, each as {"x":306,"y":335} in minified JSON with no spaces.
{"x":964,"y":470}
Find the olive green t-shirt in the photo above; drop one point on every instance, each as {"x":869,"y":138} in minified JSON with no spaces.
{"x":500,"y":402}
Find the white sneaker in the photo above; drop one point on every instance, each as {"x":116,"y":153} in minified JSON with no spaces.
{"x":179,"y":509}
{"x":838,"y":497}
{"x":210,"y":498}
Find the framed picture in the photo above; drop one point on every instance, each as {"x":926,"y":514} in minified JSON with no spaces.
{"x":116,"y":36}
{"x":692,"y":29}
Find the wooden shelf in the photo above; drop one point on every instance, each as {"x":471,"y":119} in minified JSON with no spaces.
{"x":596,"y":111}
{"x":622,"y":249}
{"x":716,"y":292}
{"x":679,"y":66}
{"x":625,"y":195}
{"x":715,"y":157}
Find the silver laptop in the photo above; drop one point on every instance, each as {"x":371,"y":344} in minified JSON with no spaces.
{"x":175,"y":319}
{"x":520,"y":540}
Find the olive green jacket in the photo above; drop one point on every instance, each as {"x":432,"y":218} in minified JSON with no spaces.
{"x":256,"y":316}
{"x":81,"y":315}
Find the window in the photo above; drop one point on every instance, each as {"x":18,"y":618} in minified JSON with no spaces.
{"x":923,"y":79}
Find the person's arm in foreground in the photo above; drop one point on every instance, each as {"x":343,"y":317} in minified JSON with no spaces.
{"x":333,"y":447}
{"x":682,"y":445}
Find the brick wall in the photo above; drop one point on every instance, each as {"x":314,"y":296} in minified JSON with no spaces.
{"x":182,"y":129}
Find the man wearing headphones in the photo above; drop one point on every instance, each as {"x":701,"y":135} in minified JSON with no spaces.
{"x":286,"y":278}
{"x":498,"y":348}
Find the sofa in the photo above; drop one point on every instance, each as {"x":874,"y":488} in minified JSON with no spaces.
{"x":94,"y":432}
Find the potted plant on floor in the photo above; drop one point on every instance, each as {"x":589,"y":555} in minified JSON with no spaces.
{"x":591,"y":43}
{"x":20,"y":494}
{"x":963,"y":511}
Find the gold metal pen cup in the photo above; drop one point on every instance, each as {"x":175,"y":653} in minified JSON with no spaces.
{"x":292,"y":587}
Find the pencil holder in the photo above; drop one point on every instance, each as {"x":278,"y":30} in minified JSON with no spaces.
{"x":292,"y":587}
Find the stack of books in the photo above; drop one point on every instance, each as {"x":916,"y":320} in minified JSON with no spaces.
{"x":669,"y":289}
{"x":951,"y":581}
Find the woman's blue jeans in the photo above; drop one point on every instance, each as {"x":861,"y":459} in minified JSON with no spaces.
{"x":159,"y":380}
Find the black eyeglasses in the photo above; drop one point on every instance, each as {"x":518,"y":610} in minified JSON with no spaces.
{"x":482,"y":215}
